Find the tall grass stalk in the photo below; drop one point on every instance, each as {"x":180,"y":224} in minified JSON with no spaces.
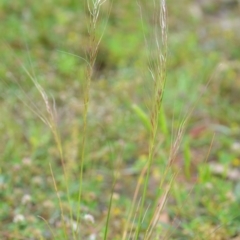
{"x":94,"y":7}
{"x":50,"y":120}
{"x":158,"y":73}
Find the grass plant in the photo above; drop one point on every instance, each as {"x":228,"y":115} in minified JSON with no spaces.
{"x":158,"y":73}
{"x":113,"y":166}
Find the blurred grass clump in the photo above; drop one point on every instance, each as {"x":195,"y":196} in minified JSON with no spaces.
{"x":49,"y":40}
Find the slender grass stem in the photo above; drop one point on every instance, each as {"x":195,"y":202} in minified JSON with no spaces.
{"x":109,"y":210}
{"x":60,"y":202}
{"x":158,"y":73}
{"x":94,"y":10}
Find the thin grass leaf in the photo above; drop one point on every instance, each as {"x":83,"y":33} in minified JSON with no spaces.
{"x":143,"y":117}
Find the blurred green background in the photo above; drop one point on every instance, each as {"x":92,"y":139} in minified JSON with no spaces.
{"x":203,"y":71}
